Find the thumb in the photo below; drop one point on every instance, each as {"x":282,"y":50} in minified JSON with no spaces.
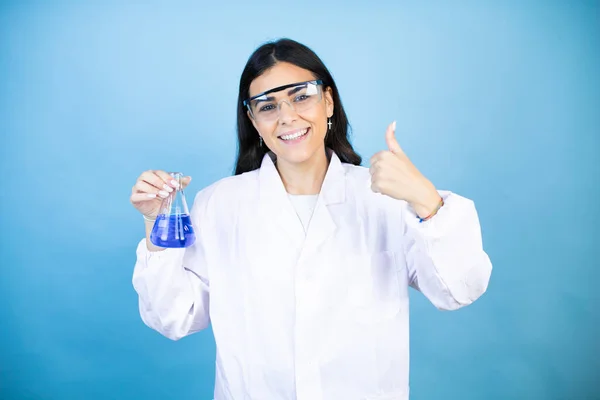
{"x":185,"y":181}
{"x":390,"y":139}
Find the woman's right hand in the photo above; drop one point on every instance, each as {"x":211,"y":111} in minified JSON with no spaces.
{"x":151,"y":188}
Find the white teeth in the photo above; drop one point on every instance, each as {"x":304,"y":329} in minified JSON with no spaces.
{"x":294,"y":135}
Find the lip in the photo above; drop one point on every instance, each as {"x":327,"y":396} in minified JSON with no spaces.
{"x":291,"y":132}
{"x":298,"y":140}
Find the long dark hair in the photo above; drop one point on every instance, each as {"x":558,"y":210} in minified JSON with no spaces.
{"x":250,"y":153}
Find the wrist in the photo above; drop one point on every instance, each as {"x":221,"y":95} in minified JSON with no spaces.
{"x":149,"y":219}
{"x":427,"y":204}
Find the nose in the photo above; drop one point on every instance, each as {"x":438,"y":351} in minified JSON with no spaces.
{"x":287,"y":114}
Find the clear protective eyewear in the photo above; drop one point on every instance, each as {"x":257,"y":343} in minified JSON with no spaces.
{"x":299,"y":96}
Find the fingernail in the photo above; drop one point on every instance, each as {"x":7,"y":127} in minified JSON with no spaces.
{"x":175,"y":183}
{"x":162,"y":193}
{"x":394,"y":125}
{"x":151,"y":195}
{"x":167,"y":188}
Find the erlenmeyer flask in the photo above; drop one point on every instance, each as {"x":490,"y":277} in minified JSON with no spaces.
{"x":173,"y":226}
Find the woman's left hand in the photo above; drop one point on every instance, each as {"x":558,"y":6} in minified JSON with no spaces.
{"x":393,"y":174}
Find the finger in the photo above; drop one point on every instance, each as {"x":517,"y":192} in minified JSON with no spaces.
{"x":170,"y":181}
{"x":140,"y":197}
{"x":167,"y":178}
{"x":374,"y":187}
{"x":154,"y":178}
{"x":185,"y":181}
{"x":390,"y":139}
{"x":144,"y":187}
{"x":378,"y":156}
{"x":381,"y":158}
{"x":375,"y":167}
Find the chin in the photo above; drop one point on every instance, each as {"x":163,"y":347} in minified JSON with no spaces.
{"x":297,"y":154}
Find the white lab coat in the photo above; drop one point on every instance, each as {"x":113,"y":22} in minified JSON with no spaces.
{"x":315,"y":316}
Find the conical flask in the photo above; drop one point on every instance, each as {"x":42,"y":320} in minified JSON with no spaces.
{"x":173,"y":226}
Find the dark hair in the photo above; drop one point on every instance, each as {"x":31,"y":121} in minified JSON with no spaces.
{"x":250,"y":153}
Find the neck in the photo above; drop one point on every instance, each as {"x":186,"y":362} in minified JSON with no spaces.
{"x":306,"y":177}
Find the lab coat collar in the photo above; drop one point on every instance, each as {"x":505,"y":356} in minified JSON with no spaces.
{"x":278,"y":209}
{"x":332,"y":191}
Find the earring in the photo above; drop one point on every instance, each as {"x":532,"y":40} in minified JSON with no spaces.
{"x":260,"y":142}
{"x":328,"y":123}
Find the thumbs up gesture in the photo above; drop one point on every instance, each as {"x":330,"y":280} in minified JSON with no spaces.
{"x":394,"y":175}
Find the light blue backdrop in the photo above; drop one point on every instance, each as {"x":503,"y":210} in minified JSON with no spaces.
{"x":498,"y":101}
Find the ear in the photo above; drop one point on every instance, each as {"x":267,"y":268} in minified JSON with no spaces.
{"x":329,"y":101}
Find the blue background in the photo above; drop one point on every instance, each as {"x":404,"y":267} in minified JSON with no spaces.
{"x":498,"y":101}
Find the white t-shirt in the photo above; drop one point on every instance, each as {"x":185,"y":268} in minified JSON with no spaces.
{"x":304,"y":204}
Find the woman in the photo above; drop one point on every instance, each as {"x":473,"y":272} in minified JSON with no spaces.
{"x":303,"y":258}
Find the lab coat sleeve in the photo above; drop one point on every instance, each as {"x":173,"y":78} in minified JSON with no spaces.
{"x":444,"y":255}
{"x":173,"y":284}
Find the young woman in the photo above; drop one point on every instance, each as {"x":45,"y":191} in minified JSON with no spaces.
{"x":303,"y":258}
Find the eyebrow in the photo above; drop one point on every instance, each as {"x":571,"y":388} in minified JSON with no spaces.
{"x":289,"y":93}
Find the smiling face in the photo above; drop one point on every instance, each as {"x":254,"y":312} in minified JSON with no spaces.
{"x":295,"y":136}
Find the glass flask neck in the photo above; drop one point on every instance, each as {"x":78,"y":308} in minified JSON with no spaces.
{"x":177,"y":177}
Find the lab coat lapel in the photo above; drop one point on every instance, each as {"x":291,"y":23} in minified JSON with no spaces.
{"x":275,"y":204}
{"x":278,"y":208}
{"x":333,"y":191}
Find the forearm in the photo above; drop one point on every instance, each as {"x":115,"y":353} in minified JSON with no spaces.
{"x":445,"y":255}
{"x":173,"y":300}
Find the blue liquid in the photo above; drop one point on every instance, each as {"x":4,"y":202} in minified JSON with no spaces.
{"x":173,"y":231}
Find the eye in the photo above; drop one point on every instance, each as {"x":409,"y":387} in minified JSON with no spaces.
{"x":302,"y":97}
{"x":266,"y":107}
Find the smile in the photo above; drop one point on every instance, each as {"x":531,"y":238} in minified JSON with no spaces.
{"x":295,"y":135}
